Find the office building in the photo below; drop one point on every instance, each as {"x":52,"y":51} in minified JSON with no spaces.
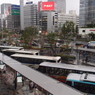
{"x":21,"y":14}
{"x":62,"y":18}
{"x":30,"y":15}
{"x":87,"y":13}
{"x":11,"y":16}
{"x":60,"y":5}
{"x":1,"y":21}
{"x":5,"y":9}
{"x":48,"y":21}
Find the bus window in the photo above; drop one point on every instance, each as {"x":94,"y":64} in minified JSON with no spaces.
{"x":69,"y":83}
{"x":57,"y":72}
{"x":61,"y":72}
{"x":42,"y":69}
{"x":59,"y":61}
{"x":37,"y":53}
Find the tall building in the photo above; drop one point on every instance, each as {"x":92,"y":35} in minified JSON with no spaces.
{"x":30,"y":15}
{"x":11,"y":16}
{"x":60,"y":5}
{"x":87,"y":13}
{"x":62,"y":18}
{"x":48,"y":21}
{"x":5,"y":12}
{"x":21,"y":14}
{"x":1,"y":21}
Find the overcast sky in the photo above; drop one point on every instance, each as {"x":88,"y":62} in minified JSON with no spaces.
{"x":70,"y":4}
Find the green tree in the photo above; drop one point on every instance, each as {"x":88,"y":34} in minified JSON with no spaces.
{"x":91,"y":36}
{"x":51,"y":40}
{"x":68,"y":32}
{"x":28,"y":35}
{"x":4,"y":33}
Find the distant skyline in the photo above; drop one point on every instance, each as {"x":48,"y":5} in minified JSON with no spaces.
{"x":70,"y":4}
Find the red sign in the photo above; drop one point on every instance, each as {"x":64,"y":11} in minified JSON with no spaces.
{"x":46,"y":6}
{"x":92,"y":30}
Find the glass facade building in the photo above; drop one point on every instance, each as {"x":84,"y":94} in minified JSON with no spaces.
{"x":87,"y":13}
{"x":11,"y":14}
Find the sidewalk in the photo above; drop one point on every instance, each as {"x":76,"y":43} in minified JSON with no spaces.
{"x":5,"y":89}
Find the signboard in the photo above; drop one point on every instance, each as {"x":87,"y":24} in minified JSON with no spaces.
{"x":92,"y":30}
{"x":29,"y":2}
{"x":46,"y":6}
{"x":15,"y":7}
{"x":15,"y":12}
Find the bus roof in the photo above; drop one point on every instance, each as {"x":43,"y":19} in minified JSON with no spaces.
{"x":73,"y":76}
{"x":11,"y":50}
{"x":22,"y":51}
{"x":81,"y":77}
{"x":28,"y":51}
{"x":11,"y":47}
{"x":37,"y":57}
{"x":68,"y":66}
{"x":51,"y":85}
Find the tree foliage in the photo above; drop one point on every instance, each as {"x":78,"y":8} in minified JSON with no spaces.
{"x":51,"y":40}
{"x":91,"y":36}
{"x":28,"y":35}
{"x":68,"y":31}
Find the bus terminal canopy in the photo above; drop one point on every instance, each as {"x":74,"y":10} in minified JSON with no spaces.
{"x":50,"y":85}
{"x":85,"y":49}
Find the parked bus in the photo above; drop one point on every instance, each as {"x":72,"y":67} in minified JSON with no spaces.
{"x":84,"y":82}
{"x":10,"y":47}
{"x":13,"y":51}
{"x":35,"y":59}
{"x":61,"y":70}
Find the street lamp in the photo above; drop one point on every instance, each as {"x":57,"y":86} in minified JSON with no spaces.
{"x":40,"y":32}
{"x":40,"y":38}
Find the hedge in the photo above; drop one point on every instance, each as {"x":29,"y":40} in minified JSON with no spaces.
{"x":66,"y":57}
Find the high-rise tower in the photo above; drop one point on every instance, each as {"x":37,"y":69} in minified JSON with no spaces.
{"x":11,"y":16}
{"x":60,"y":5}
{"x":22,"y":14}
{"x":87,"y":13}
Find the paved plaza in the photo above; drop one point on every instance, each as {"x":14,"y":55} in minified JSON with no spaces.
{"x":7,"y":89}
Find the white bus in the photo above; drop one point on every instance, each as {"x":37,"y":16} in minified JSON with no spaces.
{"x":83,"y":82}
{"x":10,"y":47}
{"x":35,"y":59}
{"x":13,"y":51}
{"x":61,"y":70}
